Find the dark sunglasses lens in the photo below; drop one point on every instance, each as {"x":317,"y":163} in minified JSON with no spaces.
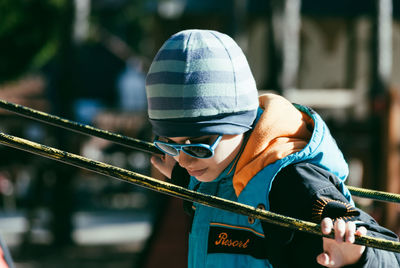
{"x":197,"y":151}
{"x":167,"y":149}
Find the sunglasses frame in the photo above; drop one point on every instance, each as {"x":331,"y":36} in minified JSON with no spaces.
{"x":181,"y":147}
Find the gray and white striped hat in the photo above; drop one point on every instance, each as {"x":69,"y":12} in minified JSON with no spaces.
{"x":200,"y":83}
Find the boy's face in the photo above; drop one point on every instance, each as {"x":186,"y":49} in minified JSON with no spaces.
{"x":208,"y":169}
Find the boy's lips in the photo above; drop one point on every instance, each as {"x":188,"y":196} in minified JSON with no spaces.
{"x":197,"y":172}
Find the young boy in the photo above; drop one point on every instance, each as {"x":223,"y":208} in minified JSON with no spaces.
{"x":261,"y":151}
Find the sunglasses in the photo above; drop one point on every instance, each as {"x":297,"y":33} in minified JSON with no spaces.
{"x":197,"y":150}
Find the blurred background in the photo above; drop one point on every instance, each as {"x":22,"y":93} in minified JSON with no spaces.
{"x":85,"y":60}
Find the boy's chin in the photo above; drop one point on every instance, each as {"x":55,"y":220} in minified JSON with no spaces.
{"x":206,"y":178}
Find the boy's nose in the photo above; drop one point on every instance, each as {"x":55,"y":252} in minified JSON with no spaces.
{"x":185,"y":160}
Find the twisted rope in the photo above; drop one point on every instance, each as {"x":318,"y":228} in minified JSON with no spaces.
{"x":78,"y":127}
{"x":372,"y":194}
{"x":183,"y":193}
{"x":143,"y":145}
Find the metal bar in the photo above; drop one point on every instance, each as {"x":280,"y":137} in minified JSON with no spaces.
{"x":183,"y":193}
{"x":78,"y":127}
{"x":143,"y":145}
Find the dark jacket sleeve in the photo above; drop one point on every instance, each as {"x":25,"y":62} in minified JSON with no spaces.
{"x":310,"y":193}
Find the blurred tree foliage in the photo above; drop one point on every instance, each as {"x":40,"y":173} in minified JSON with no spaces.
{"x":30,"y":30}
{"x":27,"y":35}
{"x":129,"y":20}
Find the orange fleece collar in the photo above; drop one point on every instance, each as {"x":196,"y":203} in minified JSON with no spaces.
{"x":280,"y":131}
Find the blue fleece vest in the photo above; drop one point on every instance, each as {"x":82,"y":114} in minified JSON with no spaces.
{"x":224,"y":239}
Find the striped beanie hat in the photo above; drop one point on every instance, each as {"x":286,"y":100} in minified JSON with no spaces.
{"x":198,"y":84}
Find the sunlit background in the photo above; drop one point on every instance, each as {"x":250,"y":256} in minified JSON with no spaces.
{"x":86,"y":60}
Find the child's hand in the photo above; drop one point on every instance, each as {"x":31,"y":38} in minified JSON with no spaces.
{"x":164,"y":164}
{"x":341,"y":250}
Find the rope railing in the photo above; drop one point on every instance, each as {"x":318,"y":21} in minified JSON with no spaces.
{"x":78,"y":127}
{"x":143,"y":145}
{"x":373,"y":194}
{"x":183,"y":193}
